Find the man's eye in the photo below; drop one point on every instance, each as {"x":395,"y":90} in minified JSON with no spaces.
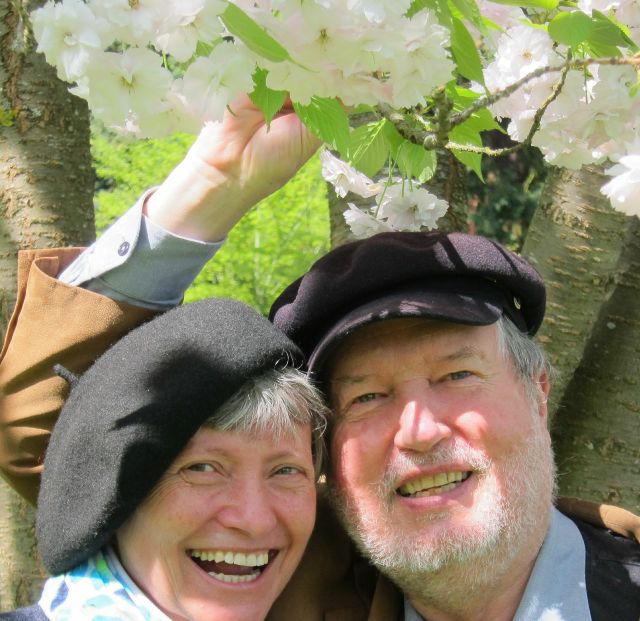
{"x":369,"y":396}
{"x":459,"y":375}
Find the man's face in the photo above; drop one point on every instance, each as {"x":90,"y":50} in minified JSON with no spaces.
{"x":438,"y":454}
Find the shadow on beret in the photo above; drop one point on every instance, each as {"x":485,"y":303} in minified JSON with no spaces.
{"x":135,"y":409}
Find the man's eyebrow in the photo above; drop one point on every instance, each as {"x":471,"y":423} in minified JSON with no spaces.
{"x":466,"y":352}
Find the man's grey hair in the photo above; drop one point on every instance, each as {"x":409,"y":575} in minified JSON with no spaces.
{"x":527,"y":356}
{"x":276,"y":402}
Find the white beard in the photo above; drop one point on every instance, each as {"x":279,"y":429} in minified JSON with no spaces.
{"x":513,"y":504}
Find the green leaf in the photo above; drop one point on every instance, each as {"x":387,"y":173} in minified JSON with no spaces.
{"x":600,"y":50}
{"x":608,"y":32}
{"x":370,"y":146}
{"x":460,"y":97}
{"x":268,"y":101}
{"x":465,"y":52}
{"x":470,"y":11}
{"x":466,"y":133}
{"x":570,"y":28}
{"x":417,"y":6}
{"x":327,"y":119}
{"x":547,"y":5}
{"x":415,"y":161}
{"x":257,"y":39}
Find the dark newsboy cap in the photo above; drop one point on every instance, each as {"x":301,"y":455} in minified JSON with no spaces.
{"x":135,"y":409}
{"x":447,"y":276}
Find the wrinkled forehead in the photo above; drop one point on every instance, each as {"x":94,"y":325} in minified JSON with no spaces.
{"x":402,"y":336}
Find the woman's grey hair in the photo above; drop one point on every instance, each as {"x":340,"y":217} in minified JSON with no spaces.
{"x":527,"y":356}
{"x":276,"y":402}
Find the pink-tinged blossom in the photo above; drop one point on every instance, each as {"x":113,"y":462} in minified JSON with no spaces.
{"x":411,"y":210}
{"x":624,"y":189}
{"x":345,"y":178}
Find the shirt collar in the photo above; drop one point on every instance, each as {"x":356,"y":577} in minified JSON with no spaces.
{"x":556,"y":590}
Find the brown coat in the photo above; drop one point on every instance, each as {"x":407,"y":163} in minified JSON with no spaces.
{"x":57,"y":323}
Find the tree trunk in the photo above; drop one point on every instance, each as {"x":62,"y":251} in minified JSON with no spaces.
{"x":574,"y":241}
{"x":587,"y":254}
{"x":597,"y":436}
{"x":46,"y":188}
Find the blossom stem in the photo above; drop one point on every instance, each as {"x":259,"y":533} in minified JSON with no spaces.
{"x":572,"y":63}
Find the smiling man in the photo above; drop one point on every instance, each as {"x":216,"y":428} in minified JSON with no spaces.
{"x":442,"y":469}
{"x":441,"y":463}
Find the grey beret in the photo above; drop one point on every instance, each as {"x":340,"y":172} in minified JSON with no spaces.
{"x":448,"y":276}
{"x":135,"y":409}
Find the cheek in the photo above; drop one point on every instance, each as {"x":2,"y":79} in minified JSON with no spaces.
{"x":354,"y":452}
{"x":498,"y":428}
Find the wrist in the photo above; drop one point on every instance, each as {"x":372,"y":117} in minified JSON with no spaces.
{"x":197,"y":201}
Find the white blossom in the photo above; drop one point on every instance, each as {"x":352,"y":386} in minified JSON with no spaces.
{"x":411,"y":210}
{"x":121,"y":84}
{"x":188,"y":22}
{"x":363,"y":224}
{"x":624,"y":189}
{"x":345,"y":178}
{"x":68,"y":33}
{"x":211,"y":82}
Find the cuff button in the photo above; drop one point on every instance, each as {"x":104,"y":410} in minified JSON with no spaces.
{"x":124,"y":248}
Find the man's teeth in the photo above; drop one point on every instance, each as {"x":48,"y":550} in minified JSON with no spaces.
{"x":233,"y":558}
{"x":430,"y":485}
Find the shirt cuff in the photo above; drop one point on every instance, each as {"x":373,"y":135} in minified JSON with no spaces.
{"x":139,"y":262}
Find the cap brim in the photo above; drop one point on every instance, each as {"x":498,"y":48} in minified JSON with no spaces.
{"x":477,"y":303}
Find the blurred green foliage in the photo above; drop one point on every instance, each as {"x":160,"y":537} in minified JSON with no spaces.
{"x":502,"y":207}
{"x":274,"y":244}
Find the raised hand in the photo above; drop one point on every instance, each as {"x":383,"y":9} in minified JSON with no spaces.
{"x":230,"y":167}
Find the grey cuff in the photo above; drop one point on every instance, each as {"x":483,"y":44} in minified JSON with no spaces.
{"x":138,"y":262}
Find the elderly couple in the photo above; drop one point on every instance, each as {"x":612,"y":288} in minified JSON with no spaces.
{"x":181,"y":476}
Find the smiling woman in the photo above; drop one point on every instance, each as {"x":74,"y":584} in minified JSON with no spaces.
{"x":179,"y":481}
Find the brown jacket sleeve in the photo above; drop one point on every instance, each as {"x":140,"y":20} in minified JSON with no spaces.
{"x":53,"y":323}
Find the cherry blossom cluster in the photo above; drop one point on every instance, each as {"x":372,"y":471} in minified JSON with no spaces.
{"x":395,"y":207}
{"x":152,"y":67}
{"x":361,"y":51}
{"x":594,"y":115}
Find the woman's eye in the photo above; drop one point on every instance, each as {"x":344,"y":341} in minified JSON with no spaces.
{"x":201,"y":468}
{"x":288,"y":470}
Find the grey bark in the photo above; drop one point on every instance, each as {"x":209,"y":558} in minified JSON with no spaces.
{"x":588,"y":256}
{"x":46,"y":187}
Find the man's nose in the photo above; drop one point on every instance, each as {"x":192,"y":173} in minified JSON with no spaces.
{"x":422,"y":422}
{"x":248,"y":507}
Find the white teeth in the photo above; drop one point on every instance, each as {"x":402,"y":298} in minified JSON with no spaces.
{"x":233,"y":558}
{"x":233,"y":579}
{"x":432,"y":485}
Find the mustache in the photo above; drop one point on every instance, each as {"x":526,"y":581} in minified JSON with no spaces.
{"x":457,"y":451}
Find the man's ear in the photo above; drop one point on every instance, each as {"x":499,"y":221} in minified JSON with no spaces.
{"x":544,"y":386}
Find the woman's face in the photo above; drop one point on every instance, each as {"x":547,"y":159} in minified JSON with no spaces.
{"x":223,"y":530}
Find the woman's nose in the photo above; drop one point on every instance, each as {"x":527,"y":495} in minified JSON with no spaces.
{"x":248,"y":507}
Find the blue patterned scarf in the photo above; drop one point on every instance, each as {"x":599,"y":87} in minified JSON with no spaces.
{"x":98,"y":590}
